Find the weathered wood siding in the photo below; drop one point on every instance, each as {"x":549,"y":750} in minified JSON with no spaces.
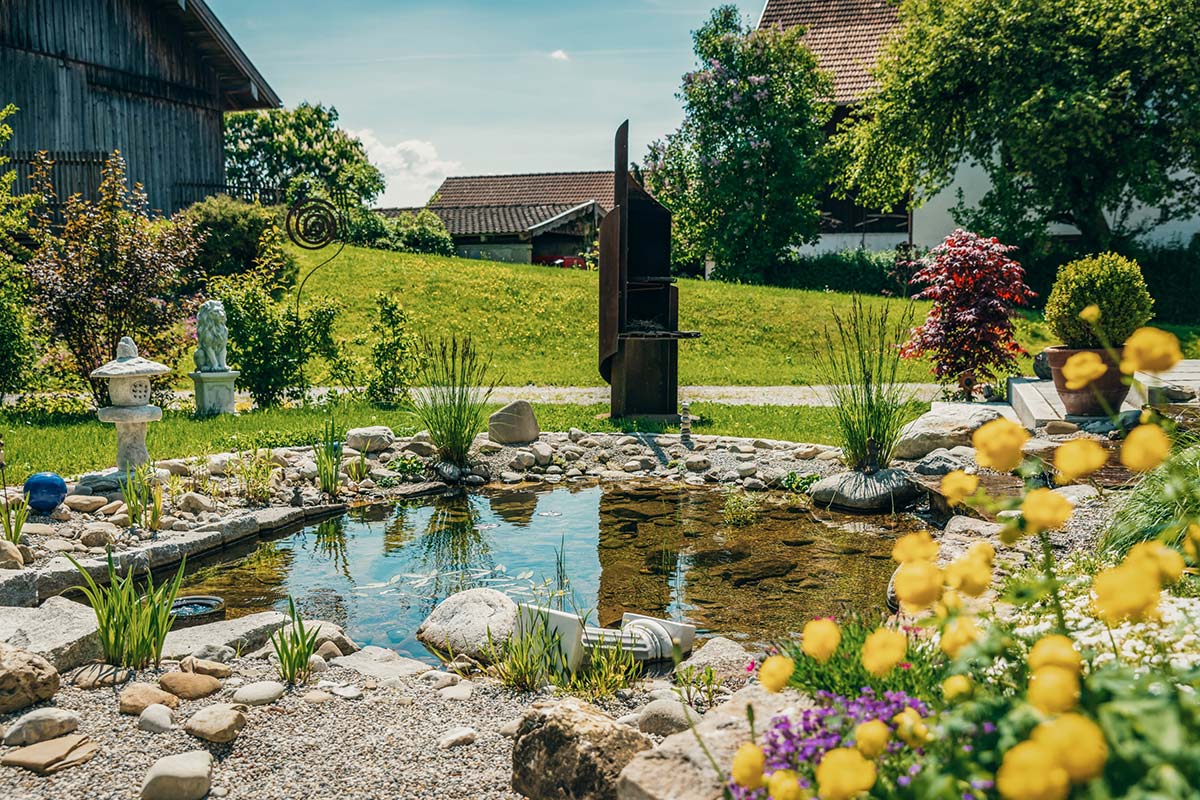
{"x":95,"y":76}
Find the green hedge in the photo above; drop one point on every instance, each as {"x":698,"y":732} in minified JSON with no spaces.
{"x":862,"y":271}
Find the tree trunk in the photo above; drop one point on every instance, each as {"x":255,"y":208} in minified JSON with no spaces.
{"x":1093,"y":228}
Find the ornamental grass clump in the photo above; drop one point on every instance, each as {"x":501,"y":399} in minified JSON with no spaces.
{"x":327,"y":453}
{"x":142,"y":492}
{"x":969,"y":332}
{"x":133,"y":621}
{"x":452,"y":404}
{"x":294,"y":645}
{"x":860,"y":364}
{"x":15,"y":511}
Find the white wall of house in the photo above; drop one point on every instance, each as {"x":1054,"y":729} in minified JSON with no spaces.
{"x":833,"y":242}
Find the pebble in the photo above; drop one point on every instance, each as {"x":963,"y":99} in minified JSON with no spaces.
{"x":457,"y":737}
{"x":259,"y":693}
{"x":156,"y":718}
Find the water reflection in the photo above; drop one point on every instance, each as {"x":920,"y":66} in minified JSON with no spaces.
{"x":590,"y":549}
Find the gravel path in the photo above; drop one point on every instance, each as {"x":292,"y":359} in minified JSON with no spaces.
{"x":374,"y":748}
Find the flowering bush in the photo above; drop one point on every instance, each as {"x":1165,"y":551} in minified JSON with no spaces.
{"x":1033,"y":709}
{"x":974,"y":286}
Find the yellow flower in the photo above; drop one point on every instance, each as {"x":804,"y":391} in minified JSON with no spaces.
{"x":872,"y":737}
{"x":1162,"y":560}
{"x":956,"y":686}
{"x":820,"y":638}
{"x":958,"y":486}
{"x":1055,"y":650}
{"x":998,"y":445}
{"x":1126,"y":592}
{"x":915,"y":547}
{"x":1150,"y":350}
{"x":1078,"y":742}
{"x":784,"y":784}
{"x":958,"y":633}
{"x":1091,"y":314}
{"x":910,"y":728}
{"x":1083,"y":368}
{"x":1044,"y":510}
{"x":1145,"y":448}
{"x":918,"y":584}
{"x":844,"y":773}
{"x":748,"y":764}
{"x":775,"y":672}
{"x":1053,"y":690}
{"x":970,"y":574}
{"x":1030,"y":771}
{"x":982,"y":551}
{"x":1078,"y":458}
{"x":883,"y":650}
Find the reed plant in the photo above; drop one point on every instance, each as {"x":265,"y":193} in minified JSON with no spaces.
{"x":253,"y":470}
{"x":861,"y":365}
{"x":15,"y":511}
{"x":132,"y":624}
{"x":143,"y":495}
{"x":356,"y":468}
{"x":452,"y":404}
{"x":328,"y":455}
{"x":294,"y":645}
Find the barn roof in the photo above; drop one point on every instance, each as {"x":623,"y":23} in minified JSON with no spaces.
{"x":503,"y":220}
{"x":242,"y":85}
{"x":846,"y":36}
{"x":529,"y":190}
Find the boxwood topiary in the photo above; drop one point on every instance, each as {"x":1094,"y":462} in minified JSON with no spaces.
{"x":1112,"y":282}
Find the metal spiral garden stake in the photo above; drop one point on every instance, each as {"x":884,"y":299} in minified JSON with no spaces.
{"x":314,"y":223}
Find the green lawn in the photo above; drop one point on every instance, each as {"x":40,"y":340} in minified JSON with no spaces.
{"x":74,"y":448}
{"x":539,"y":323}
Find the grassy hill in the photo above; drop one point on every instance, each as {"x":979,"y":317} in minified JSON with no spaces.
{"x":539,"y":323}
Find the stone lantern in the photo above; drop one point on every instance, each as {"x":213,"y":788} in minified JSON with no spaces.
{"x":128,"y":379}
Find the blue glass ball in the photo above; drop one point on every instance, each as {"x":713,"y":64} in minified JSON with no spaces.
{"x":45,"y":490}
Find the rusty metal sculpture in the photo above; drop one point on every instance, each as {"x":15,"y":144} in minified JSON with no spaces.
{"x":639,"y":305}
{"x":314,"y":223}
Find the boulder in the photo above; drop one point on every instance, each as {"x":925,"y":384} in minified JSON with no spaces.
{"x":678,"y":768}
{"x":40,"y":725}
{"x":85,"y":503}
{"x":259,"y":693}
{"x":666,"y":716}
{"x":462,"y":622}
{"x":52,"y":755}
{"x":184,"y":776}
{"x":156,"y":718}
{"x":25,"y":678}
{"x":62,"y":631}
{"x":195,"y":503}
{"x":944,"y":425}
{"x":189,"y":685}
{"x":218,"y":723}
{"x":939,"y":462}
{"x":10,"y":555}
{"x":885,"y":490}
{"x":514,"y":424}
{"x":136,"y":696}
{"x":727,"y":658}
{"x":570,"y":749}
{"x":371,"y":439}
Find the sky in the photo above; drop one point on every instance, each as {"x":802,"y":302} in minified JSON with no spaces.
{"x":467,"y":87}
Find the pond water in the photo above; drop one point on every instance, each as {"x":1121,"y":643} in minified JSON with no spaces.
{"x":657,"y":550}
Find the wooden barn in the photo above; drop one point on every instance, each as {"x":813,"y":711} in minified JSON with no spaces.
{"x":151,"y":78}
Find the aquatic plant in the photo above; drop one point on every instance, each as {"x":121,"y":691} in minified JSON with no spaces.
{"x":132,"y":623}
{"x":253,"y":471}
{"x":452,"y":404}
{"x":327,"y":453}
{"x":15,"y":511}
{"x":294,"y":645}
{"x":143,"y":495}
{"x":356,"y":468}
{"x":740,"y":508}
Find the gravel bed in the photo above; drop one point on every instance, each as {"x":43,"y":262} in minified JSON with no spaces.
{"x":377,"y":747}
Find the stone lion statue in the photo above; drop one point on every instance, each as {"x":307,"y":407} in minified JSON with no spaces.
{"x":212,"y":337}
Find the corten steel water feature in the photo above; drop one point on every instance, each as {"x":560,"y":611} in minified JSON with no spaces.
{"x":639,"y":305}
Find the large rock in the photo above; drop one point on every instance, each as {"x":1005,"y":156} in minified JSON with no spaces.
{"x":665,"y":716}
{"x":727,"y":658}
{"x":462,"y":622}
{"x":10,"y":555}
{"x":52,"y":755}
{"x":189,"y":685}
{"x":39,"y":725}
{"x":370,"y":440}
{"x":571,"y":750}
{"x":259,"y":693}
{"x":678,"y":768}
{"x":184,"y":776}
{"x":885,"y":490}
{"x":514,"y":424}
{"x":25,"y":678}
{"x":136,"y":697}
{"x":944,"y":425}
{"x":219,"y":723}
{"x":244,"y":633}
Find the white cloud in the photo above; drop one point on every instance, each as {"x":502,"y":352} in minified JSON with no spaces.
{"x":560,"y":55}
{"x":412,"y":168}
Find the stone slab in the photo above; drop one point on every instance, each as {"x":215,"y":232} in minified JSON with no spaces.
{"x":243,"y":634}
{"x":60,"y":630}
{"x":372,"y":664}
{"x":18,"y":587}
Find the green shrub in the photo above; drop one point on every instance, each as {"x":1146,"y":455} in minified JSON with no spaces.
{"x":16,"y":347}
{"x":234,"y":240}
{"x":367,"y":228}
{"x":1172,"y":273}
{"x":133,"y":623}
{"x":1112,"y":282}
{"x":50,"y":408}
{"x":395,"y":353}
{"x":270,"y":342}
{"x":457,"y":385}
{"x":423,"y":232}
{"x":858,"y":270}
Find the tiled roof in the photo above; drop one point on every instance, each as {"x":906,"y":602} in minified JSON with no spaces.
{"x":476,"y":220}
{"x":539,"y":189}
{"x":846,"y":36}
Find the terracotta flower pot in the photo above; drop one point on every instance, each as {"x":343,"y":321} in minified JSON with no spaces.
{"x":1086,"y":402}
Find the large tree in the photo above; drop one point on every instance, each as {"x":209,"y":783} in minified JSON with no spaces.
{"x":742,"y":173}
{"x":1079,"y":112}
{"x":280,"y":146}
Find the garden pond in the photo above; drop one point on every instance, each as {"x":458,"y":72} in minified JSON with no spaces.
{"x":596,"y":550}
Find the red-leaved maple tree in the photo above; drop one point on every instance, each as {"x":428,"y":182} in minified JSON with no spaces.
{"x":969,"y":333}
